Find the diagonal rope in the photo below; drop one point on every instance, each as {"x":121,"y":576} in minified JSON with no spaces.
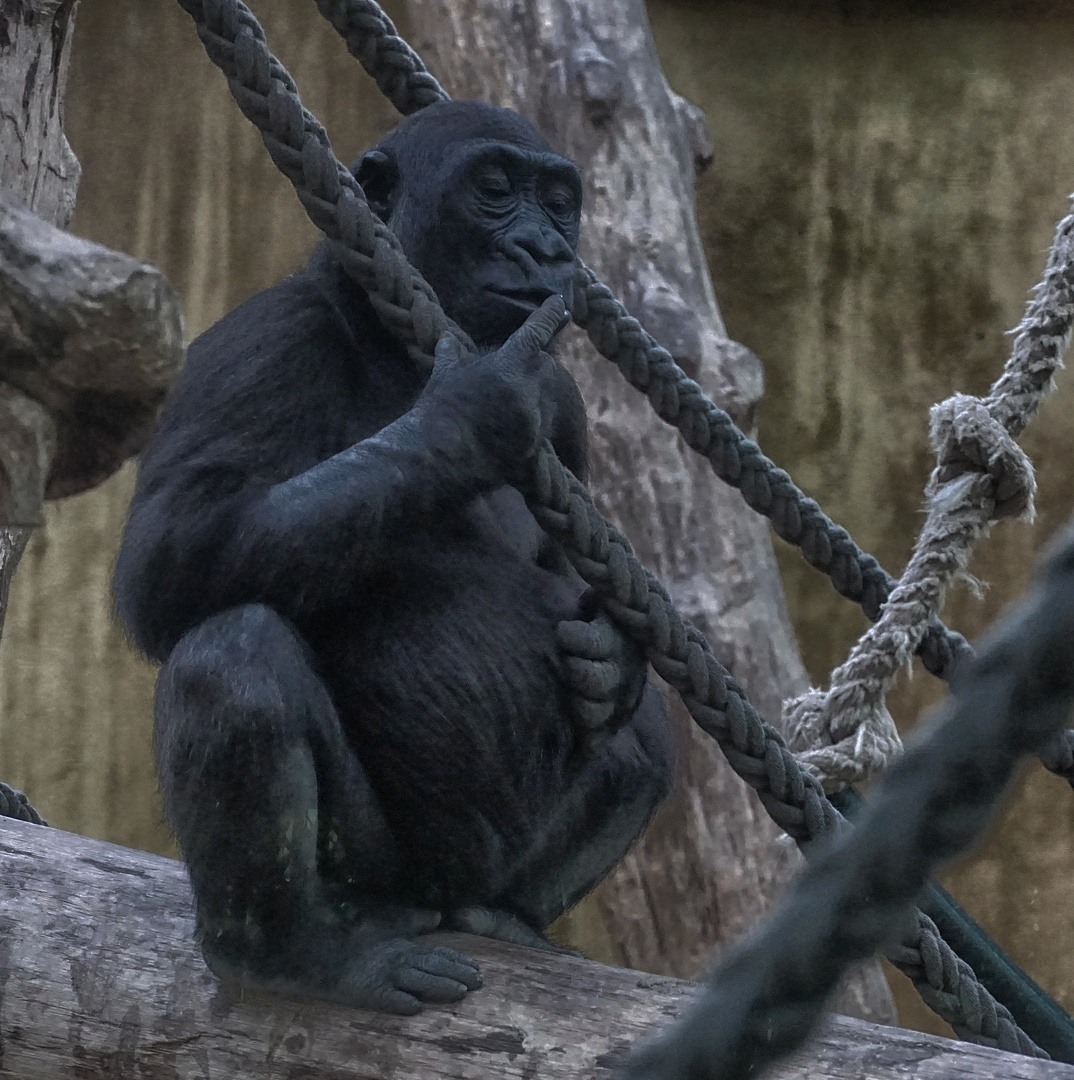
{"x":372,"y":39}
{"x":298,"y":144}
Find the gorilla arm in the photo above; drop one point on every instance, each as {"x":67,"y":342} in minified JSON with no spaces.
{"x":199,"y":516}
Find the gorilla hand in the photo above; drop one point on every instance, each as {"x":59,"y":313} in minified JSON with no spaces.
{"x":492,"y":400}
{"x":605,"y":672}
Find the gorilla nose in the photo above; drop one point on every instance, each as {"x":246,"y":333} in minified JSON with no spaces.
{"x":544,"y":246}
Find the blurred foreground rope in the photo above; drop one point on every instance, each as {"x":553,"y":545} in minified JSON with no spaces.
{"x":846,"y":734}
{"x":298,"y":144}
{"x":857,"y":896}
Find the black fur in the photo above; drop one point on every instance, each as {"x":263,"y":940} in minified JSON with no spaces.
{"x":363,"y":722}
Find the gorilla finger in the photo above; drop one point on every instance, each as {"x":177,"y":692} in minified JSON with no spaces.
{"x":448,"y":347}
{"x":597,"y":680}
{"x":593,"y":715}
{"x":449,"y":964}
{"x":431,"y":988}
{"x":538,"y":330}
{"x":391,"y":1001}
{"x":593,"y":641}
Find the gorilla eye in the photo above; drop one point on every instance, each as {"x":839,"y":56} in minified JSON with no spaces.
{"x":559,"y":200}
{"x":493,"y":182}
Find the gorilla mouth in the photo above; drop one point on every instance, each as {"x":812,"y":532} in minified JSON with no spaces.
{"x":530,"y":299}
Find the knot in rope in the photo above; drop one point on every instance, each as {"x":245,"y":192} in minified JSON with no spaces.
{"x":845,"y":735}
{"x":839,"y":735}
{"x":975,"y":451}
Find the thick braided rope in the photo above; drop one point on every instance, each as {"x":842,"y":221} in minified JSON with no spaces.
{"x":793,"y":798}
{"x":14,"y":804}
{"x":335,"y":203}
{"x":299,"y":147}
{"x":972,"y":1011}
{"x":739,"y":461}
{"x":372,"y":39}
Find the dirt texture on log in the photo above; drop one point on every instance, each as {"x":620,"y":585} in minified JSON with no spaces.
{"x":93,"y":335}
{"x":588,"y":75}
{"x":100,"y":978}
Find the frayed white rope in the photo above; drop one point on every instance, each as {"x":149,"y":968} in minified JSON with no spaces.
{"x":846,"y":734}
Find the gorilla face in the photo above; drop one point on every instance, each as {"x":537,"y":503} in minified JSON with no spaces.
{"x":483,"y":209}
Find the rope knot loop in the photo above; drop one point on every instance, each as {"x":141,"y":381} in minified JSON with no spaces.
{"x":968,"y":441}
{"x":842,"y":736}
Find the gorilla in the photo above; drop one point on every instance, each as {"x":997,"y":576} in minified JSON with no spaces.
{"x":386,"y":703}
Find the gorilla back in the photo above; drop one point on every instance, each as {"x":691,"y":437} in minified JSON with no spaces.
{"x":385,"y":705}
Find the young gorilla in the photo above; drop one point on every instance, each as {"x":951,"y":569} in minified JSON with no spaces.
{"x":384,"y":706}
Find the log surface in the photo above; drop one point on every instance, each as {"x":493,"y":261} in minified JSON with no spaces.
{"x":99,"y":977}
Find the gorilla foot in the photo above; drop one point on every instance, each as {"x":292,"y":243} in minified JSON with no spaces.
{"x":399,"y":976}
{"x":370,"y":967}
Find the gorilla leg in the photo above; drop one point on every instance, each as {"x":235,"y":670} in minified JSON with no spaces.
{"x":614,"y":796}
{"x":290,"y":856}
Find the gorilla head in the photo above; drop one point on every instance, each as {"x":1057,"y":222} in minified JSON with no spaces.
{"x":483,"y":208}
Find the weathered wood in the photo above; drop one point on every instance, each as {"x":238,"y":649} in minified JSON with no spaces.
{"x":586,"y":72}
{"x":39,"y":169}
{"x":27,"y":446}
{"x":13,"y":540}
{"x":37,"y":165}
{"x":94,"y":336}
{"x":100,"y":978}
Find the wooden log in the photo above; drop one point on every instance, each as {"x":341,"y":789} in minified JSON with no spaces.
{"x":39,"y":169}
{"x":94,"y":336}
{"x":100,"y":978}
{"x":90,"y":339}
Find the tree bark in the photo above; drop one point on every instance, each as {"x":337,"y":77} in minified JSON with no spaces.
{"x":91,"y":335}
{"x":100,"y":978}
{"x":39,"y":168}
{"x":90,"y":339}
{"x":587,"y":74}
{"x":27,"y":446}
{"x":37,"y":165}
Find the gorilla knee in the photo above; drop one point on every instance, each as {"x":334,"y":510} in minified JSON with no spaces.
{"x":238,"y":681}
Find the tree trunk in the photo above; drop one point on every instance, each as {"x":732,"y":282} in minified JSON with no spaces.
{"x":39,"y":168}
{"x":37,"y":165}
{"x":100,"y":979}
{"x":587,"y":74}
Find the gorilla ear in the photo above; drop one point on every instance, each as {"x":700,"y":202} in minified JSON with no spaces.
{"x":379,"y":177}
